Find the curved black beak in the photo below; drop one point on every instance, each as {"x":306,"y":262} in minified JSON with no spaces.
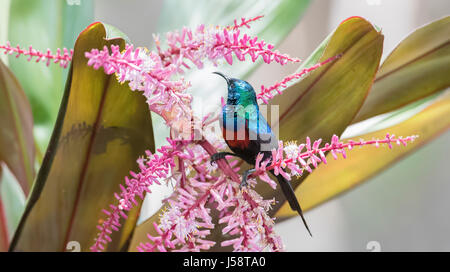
{"x":224,"y":76}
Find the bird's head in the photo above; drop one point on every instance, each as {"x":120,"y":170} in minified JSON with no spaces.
{"x":240,"y":92}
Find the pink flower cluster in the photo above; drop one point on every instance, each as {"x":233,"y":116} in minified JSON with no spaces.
{"x":63,"y":57}
{"x":145,"y":72}
{"x":187,"y":222}
{"x":250,"y":222}
{"x":155,"y":73}
{"x":154,"y":168}
{"x":215,"y":43}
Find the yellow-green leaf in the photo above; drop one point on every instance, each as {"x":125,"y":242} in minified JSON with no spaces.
{"x":336,"y":177}
{"x":102,"y":128}
{"x":417,"y":68}
{"x":326,"y":101}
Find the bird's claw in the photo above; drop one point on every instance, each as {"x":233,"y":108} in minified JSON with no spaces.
{"x":243,"y":184}
{"x":215,"y":157}
{"x":247,"y":173}
{"x":220,"y":155}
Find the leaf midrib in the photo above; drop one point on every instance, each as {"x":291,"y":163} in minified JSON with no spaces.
{"x":427,"y":53}
{"x":326,"y":69}
{"x":86,"y":164}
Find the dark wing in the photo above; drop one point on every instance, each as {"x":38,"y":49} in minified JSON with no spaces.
{"x":260,"y":131}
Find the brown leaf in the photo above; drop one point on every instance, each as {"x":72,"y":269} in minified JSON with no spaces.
{"x":339,"y":176}
{"x":102,"y":128}
{"x":17,"y":148}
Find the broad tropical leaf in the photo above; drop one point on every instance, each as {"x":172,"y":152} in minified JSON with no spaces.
{"x":146,"y":227}
{"x":326,"y":101}
{"x":330,"y":180}
{"x":102,"y":128}
{"x":12,"y":203}
{"x":417,"y":68}
{"x":16,"y":134}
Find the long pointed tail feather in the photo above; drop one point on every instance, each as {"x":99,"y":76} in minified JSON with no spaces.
{"x":289,"y":193}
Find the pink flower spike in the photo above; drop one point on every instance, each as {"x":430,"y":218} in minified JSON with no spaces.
{"x":308,"y":144}
{"x":245,"y":22}
{"x":155,"y":167}
{"x":267,"y":93}
{"x":62,"y":57}
{"x":317,"y":144}
{"x":315,"y":155}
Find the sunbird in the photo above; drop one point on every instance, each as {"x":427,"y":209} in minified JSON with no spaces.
{"x":247,"y":134}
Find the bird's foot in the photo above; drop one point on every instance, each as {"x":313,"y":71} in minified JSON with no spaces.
{"x":245,"y":178}
{"x":220,"y":155}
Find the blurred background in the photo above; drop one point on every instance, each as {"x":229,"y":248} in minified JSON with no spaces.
{"x":404,"y":208}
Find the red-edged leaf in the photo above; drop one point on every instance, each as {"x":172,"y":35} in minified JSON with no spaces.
{"x":16,"y":135}
{"x":102,"y":128}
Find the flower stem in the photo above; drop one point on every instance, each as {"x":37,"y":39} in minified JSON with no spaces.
{"x":222,"y":164}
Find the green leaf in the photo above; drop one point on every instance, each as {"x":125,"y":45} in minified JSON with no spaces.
{"x":45,"y":24}
{"x":392,"y":118}
{"x":417,"y":68}
{"x":4,"y":236}
{"x":336,"y":177}
{"x":326,"y":101}
{"x":16,"y":134}
{"x":102,"y":128}
{"x":328,"y":98}
{"x":12,"y":204}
